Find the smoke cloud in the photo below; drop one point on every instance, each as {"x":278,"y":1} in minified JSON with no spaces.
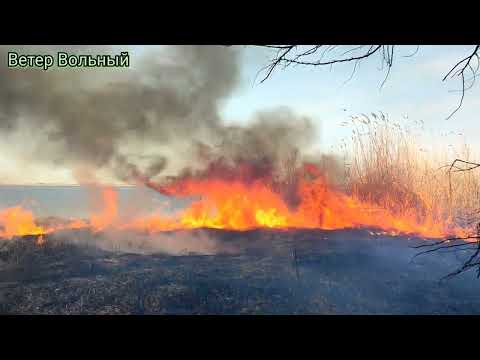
{"x":193,"y":242}
{"x":136,"y":122}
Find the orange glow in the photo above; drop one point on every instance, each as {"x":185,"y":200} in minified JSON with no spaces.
{"x":77,"y":224}
{"x":238,"y":204}
{"x":17,"y":221}
{"x":99,"y":222}
{"x":40,"y":240}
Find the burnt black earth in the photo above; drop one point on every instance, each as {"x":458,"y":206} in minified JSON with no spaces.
{"x":270,"y":272}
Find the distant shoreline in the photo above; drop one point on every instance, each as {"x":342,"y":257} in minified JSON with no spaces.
{"x":65,"y":185}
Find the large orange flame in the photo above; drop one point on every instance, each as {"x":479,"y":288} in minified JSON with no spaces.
{"x":238,"y":204}
{"x":17,"y":221}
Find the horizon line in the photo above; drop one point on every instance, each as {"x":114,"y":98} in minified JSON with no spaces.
{"x":65,"y":184}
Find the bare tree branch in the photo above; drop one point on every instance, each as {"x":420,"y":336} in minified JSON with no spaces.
{"x":470,"y":165}
{"x":281,"y":53}
{"x":459,"y":70}
{"x":414,"y":53}
{"x":459,"y":243}
{"x":315,"y":55}
{"x":281,"y":57}
{"x":471,"y":262}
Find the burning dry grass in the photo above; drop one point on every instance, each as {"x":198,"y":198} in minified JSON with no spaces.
{"x":387,"y":166}
{"x":388,"y":184}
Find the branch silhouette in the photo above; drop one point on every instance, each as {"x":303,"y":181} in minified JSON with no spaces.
{"x":329,"y":55}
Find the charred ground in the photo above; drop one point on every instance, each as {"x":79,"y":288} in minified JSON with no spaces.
{"x":270,"y":272}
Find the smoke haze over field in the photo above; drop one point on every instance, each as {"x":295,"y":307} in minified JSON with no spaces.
{"x":162,"y":114}
{"x":162,"y":123}
{"x":199,"y":242}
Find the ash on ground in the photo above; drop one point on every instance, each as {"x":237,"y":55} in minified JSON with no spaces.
{"x":251,"y":272}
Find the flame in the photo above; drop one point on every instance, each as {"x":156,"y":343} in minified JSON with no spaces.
{"x":240,"y":206}
{"x":16,"y":221}
{"x":40,"y":240}
{"x":237,"y":203}
{"x":100,"y":221}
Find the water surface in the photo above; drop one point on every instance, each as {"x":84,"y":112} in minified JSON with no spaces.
{"x":77,"y":201}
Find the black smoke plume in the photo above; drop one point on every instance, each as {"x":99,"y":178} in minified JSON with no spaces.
{"x":136,"y":122}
